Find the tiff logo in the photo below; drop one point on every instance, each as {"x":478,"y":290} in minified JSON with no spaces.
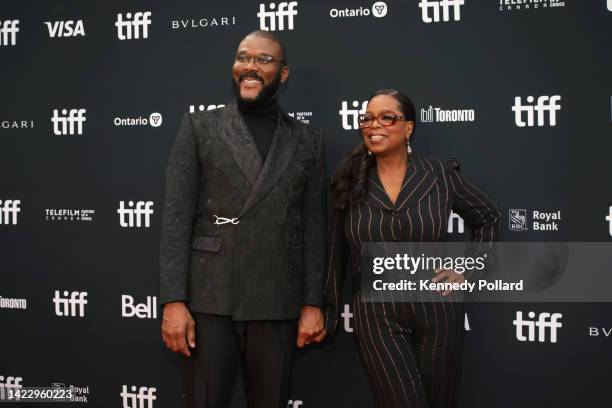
{"x":9,"y":384}
{"x":8,"y":212}
{"x":143,"y":208}
{"x":350,"y":116}
{"x":435,"y":6}
{"x":65,"y":28}
{"x":64,"y":125}
{"x":130,"y":28}
{"x":453,"y":219}
{"x":609,"y":219}
{"x":202,"y":108}
{"x":544,"y":104}
{"x":137,"y":400}
{"x":285,"y":9}
{"x":8,"y":32}
{"x":70,"y":306}
{"x":545,"y":320}
{"x":147,"y":310}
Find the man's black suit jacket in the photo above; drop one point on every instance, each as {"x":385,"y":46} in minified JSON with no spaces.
{"x":269,"y":262}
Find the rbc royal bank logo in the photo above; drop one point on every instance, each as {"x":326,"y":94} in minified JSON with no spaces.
{"x":545,"y":321}
{"x":443,"y":7}
{"x":8,"y":211}
{"x":350,"y":116}
{"x":8,"y":32}
{"x":275,"y":18}
{"x":546,"y":106}
{"x":134,"y":214}
{"x":518,"y":220}
{"x":134,"y":26}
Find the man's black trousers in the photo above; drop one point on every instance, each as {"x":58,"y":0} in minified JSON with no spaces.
{"x":264,"y":348}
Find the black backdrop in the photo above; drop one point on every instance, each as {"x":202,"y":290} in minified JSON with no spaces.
{"x":481,"y":59}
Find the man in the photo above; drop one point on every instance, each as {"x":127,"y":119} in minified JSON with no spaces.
{"x":243,"y":231}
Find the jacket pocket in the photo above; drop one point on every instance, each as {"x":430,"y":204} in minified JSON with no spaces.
{"x":208,"y":244}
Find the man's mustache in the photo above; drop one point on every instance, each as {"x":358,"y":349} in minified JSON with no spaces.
{"x":250,"y":74}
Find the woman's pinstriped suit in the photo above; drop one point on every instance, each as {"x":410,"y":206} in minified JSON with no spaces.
{"x":411,"y":350}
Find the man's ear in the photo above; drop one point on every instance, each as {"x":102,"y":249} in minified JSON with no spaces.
{"x":284,"y":74}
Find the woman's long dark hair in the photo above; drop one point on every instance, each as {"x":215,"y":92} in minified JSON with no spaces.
{"x":349,"y":185}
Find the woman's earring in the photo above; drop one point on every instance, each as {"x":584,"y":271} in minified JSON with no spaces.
{"x":408,"y":148}
{"x":369,"y":153}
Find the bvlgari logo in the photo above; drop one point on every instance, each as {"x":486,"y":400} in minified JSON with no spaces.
{"x":203,"y":23}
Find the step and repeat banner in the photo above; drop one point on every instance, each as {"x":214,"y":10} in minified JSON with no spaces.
{"x":519,"y":91}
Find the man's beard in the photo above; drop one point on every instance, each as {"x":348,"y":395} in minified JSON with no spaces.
{"x":266,"y":94}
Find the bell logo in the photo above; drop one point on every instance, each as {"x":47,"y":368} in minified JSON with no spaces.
{"x":544,"y":104}
{"x":284,"y":9}
{"x":142,"y":399}
{"x":67,"y":28}
{"x":350,"y":116}
{"x":133,"y":26}
{"x":435,"y":6}
{"x":135,"y":215}
{"x":147,"y":310}
{"x":545,"y":321}
{"x":71,"y":304}
{"x":8,"y":212}
{"x":8,"y":32}
{"x":65,"y":125}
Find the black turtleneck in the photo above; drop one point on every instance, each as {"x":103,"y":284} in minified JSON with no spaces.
{"x":261,"y":121}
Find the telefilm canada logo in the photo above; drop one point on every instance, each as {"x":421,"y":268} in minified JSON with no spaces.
{"x":277,"y":16}
{"x":512,"y":5}
{"x":441,"y":115}
{"x":155,"y":119}
{"x":540,"y":220}
{"x":350,"y":115}
{"x":378,"y":10}
{"x":68,"y":214}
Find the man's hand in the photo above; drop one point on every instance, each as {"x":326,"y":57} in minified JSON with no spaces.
{"x":178,"y":328}
{"x":451,"y":277}
{"x":311,"y":326}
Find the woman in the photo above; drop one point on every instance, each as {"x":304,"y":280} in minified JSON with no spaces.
{"x":384,"y":192}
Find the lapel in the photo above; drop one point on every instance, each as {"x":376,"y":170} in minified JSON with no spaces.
{"x":236,"y":136}
{"x":282,"y":150}
{"x":418,"y":180}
